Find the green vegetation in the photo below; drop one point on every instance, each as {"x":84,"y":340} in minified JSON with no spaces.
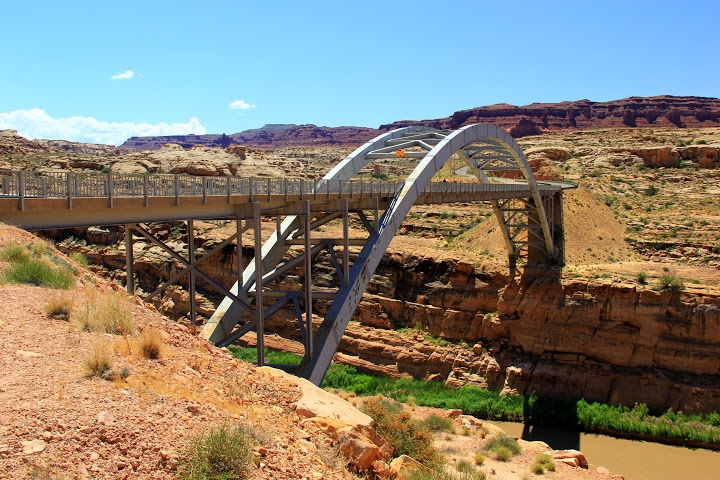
{"x":435,"y":423}
{"x":406,"y":435}
{"x":223,"y":453}
{"x":641,"y":278}
{"x":651,"y":191}
{"x":35,"y":265}
{"x":503,"y":447}
{"x":543,"y":462}
{"x":79,"y":258}
{"x":671,"y":282}
{"x":489,"y":405}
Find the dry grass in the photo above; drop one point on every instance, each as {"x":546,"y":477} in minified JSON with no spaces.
{"x":150,"y":343}
{"x":106,"y":312}
{"x":59,"y":307}
{"x":97,"y":361}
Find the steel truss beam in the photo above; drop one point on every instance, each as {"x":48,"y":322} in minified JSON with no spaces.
{"x":486,"y":149}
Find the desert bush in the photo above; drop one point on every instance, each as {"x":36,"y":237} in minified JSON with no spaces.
{"x":502,"y":454}
{"x":224,"y":452}
{"x":59,"y":307}
{"x":150,"y":343}
{"x":671,"y":282}
{"x":651,"y":191}
{"x":641,"y":278}
{"x":543,"y":462}
{"x":465,"y":466}
{"x":406,"y":435}
{"x":97,"y":361}
{"x":503,"y":447}
{"x":435,"y":423}
{"x":479,"y":458}
{"x":79,"y":258}
{"x":29,"y":265}
{"x":15,"y":254}
{"x":106,"y":312}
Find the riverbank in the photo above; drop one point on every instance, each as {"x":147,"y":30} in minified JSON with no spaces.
{"x":672,"y":428}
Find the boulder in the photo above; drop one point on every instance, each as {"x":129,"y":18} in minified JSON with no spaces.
{"x":572,"y":456}
{"x":361,"y":445}
{"x":403,"y":467}
{"x":552,"y":153}
{"x":238,"y":150}
{"x":342,"y":422}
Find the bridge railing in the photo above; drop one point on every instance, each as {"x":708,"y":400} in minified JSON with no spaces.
{"x":24,"y":184}
{"x":28,"y":183}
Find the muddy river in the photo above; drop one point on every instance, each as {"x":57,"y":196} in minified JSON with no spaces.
{"x":635,"y":460}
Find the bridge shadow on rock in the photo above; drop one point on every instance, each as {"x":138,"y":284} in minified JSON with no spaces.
{"x":553,"y":421}
{"x":549,"y":273}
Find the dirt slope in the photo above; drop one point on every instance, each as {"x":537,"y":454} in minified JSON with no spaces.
{"x":56,"y":422}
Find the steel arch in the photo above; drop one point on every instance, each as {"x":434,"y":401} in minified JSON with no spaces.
{"x":348,"y":298}
{"x":487,"y":149}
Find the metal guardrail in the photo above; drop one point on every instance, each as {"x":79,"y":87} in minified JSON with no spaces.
{"x":31,"y":184}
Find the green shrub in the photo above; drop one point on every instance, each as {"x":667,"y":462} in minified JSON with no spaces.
{"x":641,"y":278}
{"x":223,"y":453}
{"x":545,"y":462}
{"x":651,"y":191}
{"x":406,"y":435}
{"x":15,"y":254}
{"x":79,"y":258}
{"x":537,"y":468}
{"x":503,"y":454}
{"x":40,"y":272}
{"x":670,"y":282}
{"x":465,"y":466}
{"x":435,"y":423}
{"x":32,"y":266}
{"x":503,"y":447}
{"x":479,"y":458}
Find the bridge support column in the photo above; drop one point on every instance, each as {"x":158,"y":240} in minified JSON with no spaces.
{"x":129,"y":261}
{"x":308,"y":283}
{"x":193,"y":275}
{"x":552,"y":204}
{"x":260,"y":321}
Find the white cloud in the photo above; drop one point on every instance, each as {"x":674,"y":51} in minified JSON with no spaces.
{"x":36,"y":123}
{"x":126,"y":75}
{"x":241,"y":105}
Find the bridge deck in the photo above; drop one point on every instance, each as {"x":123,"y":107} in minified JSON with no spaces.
{"x":34,"y":201}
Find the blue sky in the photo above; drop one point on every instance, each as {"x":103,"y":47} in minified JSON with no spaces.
{"x":180,"y":65}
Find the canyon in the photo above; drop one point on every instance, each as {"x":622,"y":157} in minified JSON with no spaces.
{"x":443,"y":304}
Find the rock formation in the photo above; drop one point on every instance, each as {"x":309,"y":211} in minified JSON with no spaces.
{"x":537,"y":118}
{"x":533,"y":119}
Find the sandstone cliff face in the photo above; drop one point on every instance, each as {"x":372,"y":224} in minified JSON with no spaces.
{"x":618,"y":323}
{"x":534,"y":119}
{"x":267,"y":136}
{"x":537,"y":118}
{"x":13,"y":143}
{"x":604,"y":340}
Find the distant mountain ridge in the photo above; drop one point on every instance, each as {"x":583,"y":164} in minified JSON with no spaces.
{"x":533,"y":119}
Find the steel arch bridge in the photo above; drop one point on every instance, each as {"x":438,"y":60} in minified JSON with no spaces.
{"x":529,"y":214}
